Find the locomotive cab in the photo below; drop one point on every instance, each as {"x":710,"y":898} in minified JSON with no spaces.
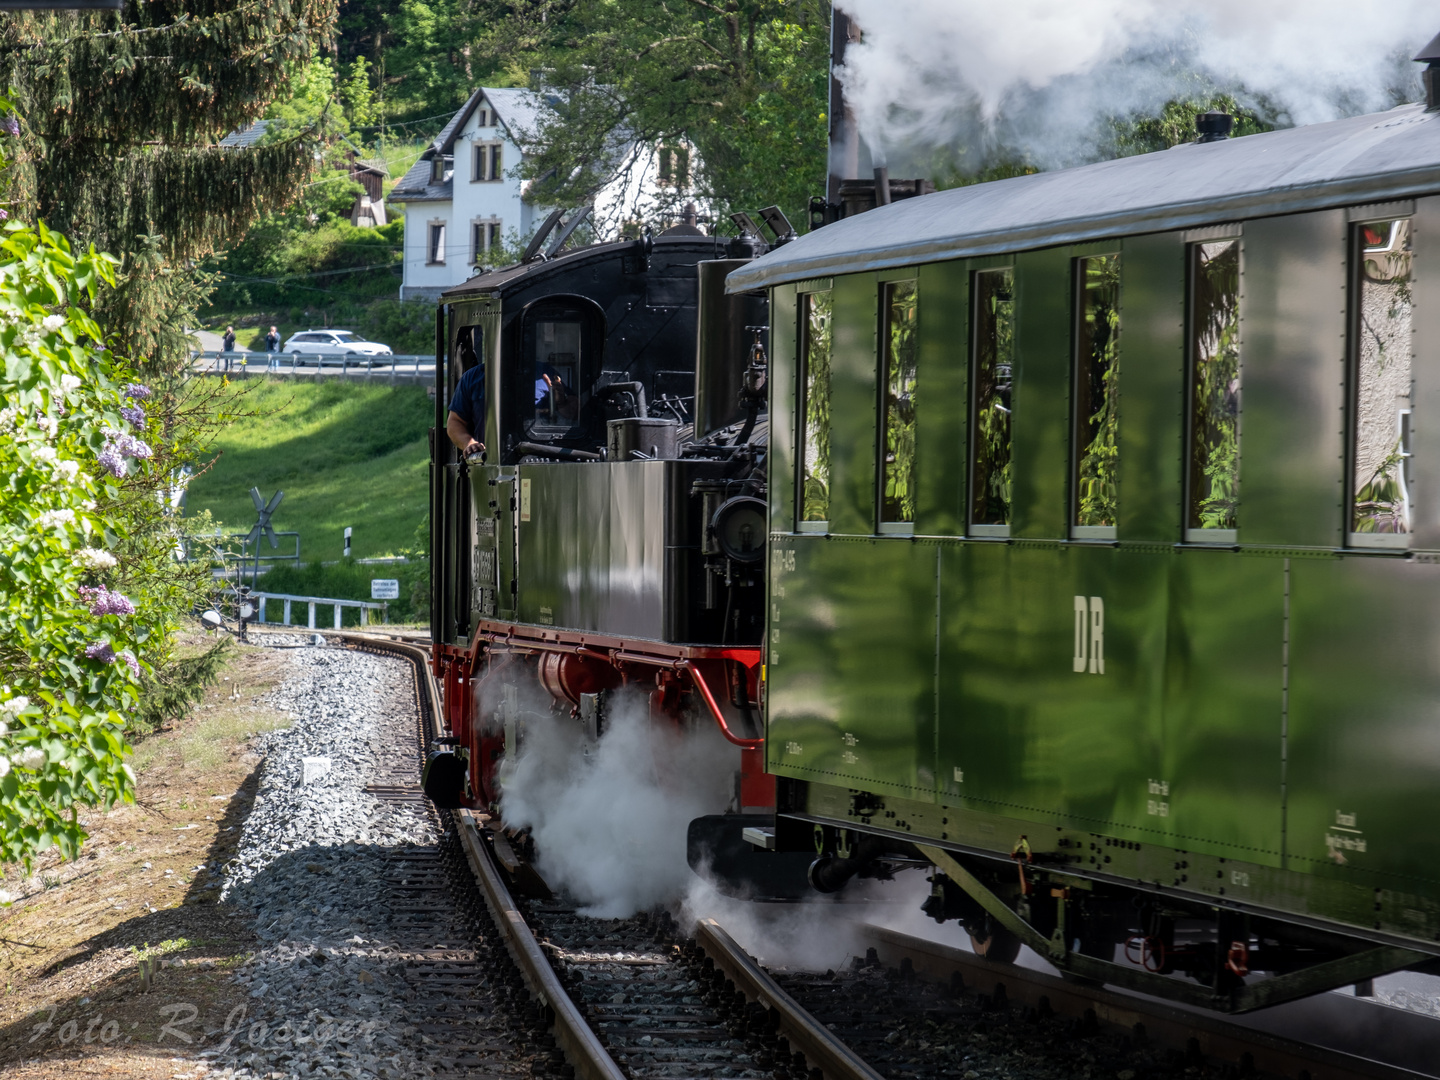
{"x":609,"y":539}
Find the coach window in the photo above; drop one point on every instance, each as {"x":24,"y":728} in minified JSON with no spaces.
{"x":993,"y":351}
{"x":1381,"y":386}
{"x":899,"y":346}
{"x":1213,"y":454}
{"x":815,"y":342}
{"x":1096,"y":455}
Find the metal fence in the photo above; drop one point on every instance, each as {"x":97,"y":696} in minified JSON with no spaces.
{"x":408,"y":366}
{"x":365,"y":606}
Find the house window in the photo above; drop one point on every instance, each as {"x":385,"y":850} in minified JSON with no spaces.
{"x":899,"y":353}
{"x":1214,"y":436}
{"x":815,"y":338}
{"x":1382,"y":384}
{"x":992,"y":346}
{"x":488,"y":162}
{"x":674,"y":166}
{"x":435,"y":252}
{"x":485,"y":235}
{"x":484,"y":117}
{"x":437,"y":168}
{"x":1097,"y":397}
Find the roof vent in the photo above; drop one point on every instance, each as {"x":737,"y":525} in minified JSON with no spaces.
{"x":1430,"y":55}
{"x":1213,"y":126}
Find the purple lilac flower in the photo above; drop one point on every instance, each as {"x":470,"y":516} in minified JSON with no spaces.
{"x":133,"y":447}
{"x":10,"y":125}
{"x":101,"y":651}
{"x":134,"y":414}
{"x":104,"y":602}
{"x":131,"y":662}
{"x":137,"y":391}
{"x":4,"y":214}
{"x":112,"y":461}
{"x":118,"y":446}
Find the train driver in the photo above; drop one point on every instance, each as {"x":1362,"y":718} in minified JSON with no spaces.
{"x":467,"y":407}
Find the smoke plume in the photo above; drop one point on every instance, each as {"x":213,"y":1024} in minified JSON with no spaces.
{"x":610,"y":821}
{"x":965,"y":81}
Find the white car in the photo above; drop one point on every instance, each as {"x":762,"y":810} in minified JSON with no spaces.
{"x":337,"y":343}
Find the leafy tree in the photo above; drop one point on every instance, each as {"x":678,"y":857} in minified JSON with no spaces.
{"x":72,"y":430}
{"x":113,"y":142}
{"x":123,"y":110}
{"x":743,"y":80}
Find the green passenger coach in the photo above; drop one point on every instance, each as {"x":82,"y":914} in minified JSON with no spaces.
{"x":1105,"y":557}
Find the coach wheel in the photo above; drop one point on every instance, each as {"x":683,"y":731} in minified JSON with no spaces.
{"x":997,"y":944}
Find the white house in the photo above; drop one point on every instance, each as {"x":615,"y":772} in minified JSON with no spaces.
{"x":465,"y":195}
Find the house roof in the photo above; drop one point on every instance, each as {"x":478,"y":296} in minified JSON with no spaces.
{"x":1364,"y":159}
{"x":517,"y":109}
{"x":241,"y":138}
{"x":417,"y":186}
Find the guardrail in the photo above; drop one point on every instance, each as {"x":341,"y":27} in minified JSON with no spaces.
{"x":413,"y":366}
{"x":365,"y":606}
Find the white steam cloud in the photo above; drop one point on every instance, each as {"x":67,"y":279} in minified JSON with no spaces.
{"x":965,"y":79}
{"x":610,"y":825}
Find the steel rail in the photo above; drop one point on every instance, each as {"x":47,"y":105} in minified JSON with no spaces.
{"x":580,"y":1045}
{"x":1162,"y":1024}
{"x":821,"y":1047}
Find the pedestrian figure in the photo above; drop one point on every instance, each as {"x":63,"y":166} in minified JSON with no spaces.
{"x":272,"y":346}
{"x":228,"y":345}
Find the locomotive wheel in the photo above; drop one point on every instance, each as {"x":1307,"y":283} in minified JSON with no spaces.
{"x":998,"y":944}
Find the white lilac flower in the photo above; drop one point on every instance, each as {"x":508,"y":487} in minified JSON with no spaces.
{"x":15,"y":706}
{"x":4,"y":771}
{"x":46,"y":454}
{"x":51,"y":518}
{"x":93,"y":559}
{"x":69,"y":383}
{"x":4,"y":728}
{"x":49,"y":425}
{"x":8,"y":416}
{"x":53,"y":322}
{"x":31,"y":758}
{"x":66,"y":471}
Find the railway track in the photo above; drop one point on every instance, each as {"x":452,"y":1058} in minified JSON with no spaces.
{"x":638,"y":998}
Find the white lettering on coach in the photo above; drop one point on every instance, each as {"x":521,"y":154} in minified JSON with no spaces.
{"x":1089,"y":635}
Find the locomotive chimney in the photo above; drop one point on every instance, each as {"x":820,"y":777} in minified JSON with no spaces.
{"x":1213,"y":126}
{"x":1430,"y":56}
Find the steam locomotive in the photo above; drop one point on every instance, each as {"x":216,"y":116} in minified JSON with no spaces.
{"x":1077,"y":535}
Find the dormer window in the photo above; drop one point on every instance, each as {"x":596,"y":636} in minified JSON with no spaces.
{"x":437,"y":169}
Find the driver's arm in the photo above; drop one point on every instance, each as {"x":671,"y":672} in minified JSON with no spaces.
{"x":459,"y":433}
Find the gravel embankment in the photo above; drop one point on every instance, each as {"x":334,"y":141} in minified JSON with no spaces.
{"x":316,"y":863}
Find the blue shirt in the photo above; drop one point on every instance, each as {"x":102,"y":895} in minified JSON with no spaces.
{"x":469,"y":401}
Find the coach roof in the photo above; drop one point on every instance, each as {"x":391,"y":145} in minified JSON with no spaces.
{"x":1375,"y":158}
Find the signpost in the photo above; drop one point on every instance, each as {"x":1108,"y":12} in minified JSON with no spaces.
{"x":384,"y":589}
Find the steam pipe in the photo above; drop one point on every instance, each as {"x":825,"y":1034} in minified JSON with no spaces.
{"x":556,"y":451}
{"x":704,"y":688}
{"x":882,"y":185}
{"x":635,"y":388}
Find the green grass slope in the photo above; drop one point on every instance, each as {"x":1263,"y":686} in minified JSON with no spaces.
{"x":344,"y":453}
